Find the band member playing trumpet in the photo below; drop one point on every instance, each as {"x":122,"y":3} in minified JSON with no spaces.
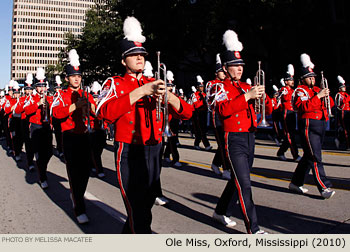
{"x":71,"y":107}
{"x":288,"y":117}
{"x":342,"y":100}
{"x":309,"y":101}
{"x":131,"y":105}
{"x":38,"y":111}
{"x":236,"y":110}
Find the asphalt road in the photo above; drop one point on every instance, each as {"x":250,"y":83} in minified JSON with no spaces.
{"x":193,"y":191}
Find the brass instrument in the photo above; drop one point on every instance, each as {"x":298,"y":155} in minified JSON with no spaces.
{"x":45,"y":108}
{"x":324,"y":84}
{"x":166,"y":127}
{"x":86,"y":118}
{"x":259,"y":80}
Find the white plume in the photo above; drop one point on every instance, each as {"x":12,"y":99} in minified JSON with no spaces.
{"x":58,"y":80}
{"x":181,"y":91}
{"x":306,"y":61}
{"x":290,"y":69}
{"x":199,"y":79}
{"x":282,"y":82}
{"x":169,"y":75}
{"x":147,"y":71}
{"x":34,"y":92}
{"x":40,"y":73}
{"x":193,"y":89}
{"x":29,"y":79}
{"x":218,"y":59}
{"x":11,"y":83}
{"x":275,"y":88}
{"x":249,"y":81}
{"x":132,"y":30}
{"x":16,"y":85}
{"x":2,"y":93}
{"x":340,"y":79}
{"x":6,"y":88}
{"x":73,"y":58}
{"x":96,"y":87}
{"x":230,"y":40}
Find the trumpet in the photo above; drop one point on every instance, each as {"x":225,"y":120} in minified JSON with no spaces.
{"x":324,"y":84}
{"x":259,"y":80}
{"x":166,"y":127}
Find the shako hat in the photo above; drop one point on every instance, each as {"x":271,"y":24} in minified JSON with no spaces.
{"x":40,"y":77}
{"x":16,"y":88}
{"x":96,"y":89}
{"x":199,"y":81}
{"x":73,"y":67}
{"x":290,"y":73}
{"x":10,"y":85}
{"x":307,"y":69}
{"x":28,"y":84}
{"x":218,"y":65}
{"x":341,"y":82}
{"x":169,"y":76}
{"x":133,"y":38}
{"x":232,"y":55}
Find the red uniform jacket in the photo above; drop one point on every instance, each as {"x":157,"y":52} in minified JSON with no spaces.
{"x":8,"y":106}
{"x":308,"y":105}
{"x":74,"y":121}
{"x":235,"y":112}
{"x":342,"y":100}
{"x":20,"y":106}
{"x":136,"y":123}
{"x":286,"y":98}
{"x":199,"y":101}
{"x":34,"y":112}
{"x":275,"y":104}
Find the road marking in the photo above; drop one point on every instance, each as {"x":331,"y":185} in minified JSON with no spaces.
{"x":255,"y":175}
{"x":111,"y":211}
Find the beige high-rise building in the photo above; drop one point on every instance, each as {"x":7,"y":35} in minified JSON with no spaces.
{"x":38,"y":31}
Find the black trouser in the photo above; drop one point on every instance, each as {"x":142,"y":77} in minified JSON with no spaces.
{"x":7,"y":132}
{"x":98,"y":142}
{"x":345,"y":123}
{"x":16,"y":131}
{"x":240,"y":150}
{"x":27,"y":142}
{"x":289,"y":130}
{"x":41,"y":138}
{"x":311,"y":133}
{"x":276,"y":119}
{"x":171,"y":148}
{"x":220,"y":157}
{"x":76,"y":149}
{"x":137,"y":172}
{"x":200,"y":127}
{"x":56,"y":123}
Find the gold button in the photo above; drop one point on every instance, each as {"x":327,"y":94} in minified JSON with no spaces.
{"x":134,"y":140}
{"x":160,"y":129}
{"x":238,"y":122}
{"x":236,"y":115}
{"x":240,"y":129}
{"x":122,"y":92}
{"x":117,"y":83}
{"x":131,"y":122}
{"x":133,"y":131}
{"x":316,"y":117}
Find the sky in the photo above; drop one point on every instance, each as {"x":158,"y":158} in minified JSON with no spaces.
{"x":5,"y":41}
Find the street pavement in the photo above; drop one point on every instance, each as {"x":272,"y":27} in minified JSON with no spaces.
{"x":193,"y":191}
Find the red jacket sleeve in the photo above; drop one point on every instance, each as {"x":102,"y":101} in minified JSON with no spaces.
{"x":185,"y":111}
{"x":116,"y":107}
{"x":228,"y":107}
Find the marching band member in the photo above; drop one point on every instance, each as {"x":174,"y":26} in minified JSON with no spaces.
{"x":236,"y":110}
{"x":213,"y":92}
{"x":7,"y":116}
{"x":56,"y":123}
{"x":131,"y":105}
{"x":98,"y":134}
{"x":200,"y":116}
{"x":72,"y":109}
{"x":309,"y":101}
{"x":276,"y":114}
{"x":28,"y":89}
{"x":2,"y":114}
{"x":15,"y":121}
{"x":288,"y":118}
{"x":38,"y":112}
{"x":342,"y":100}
